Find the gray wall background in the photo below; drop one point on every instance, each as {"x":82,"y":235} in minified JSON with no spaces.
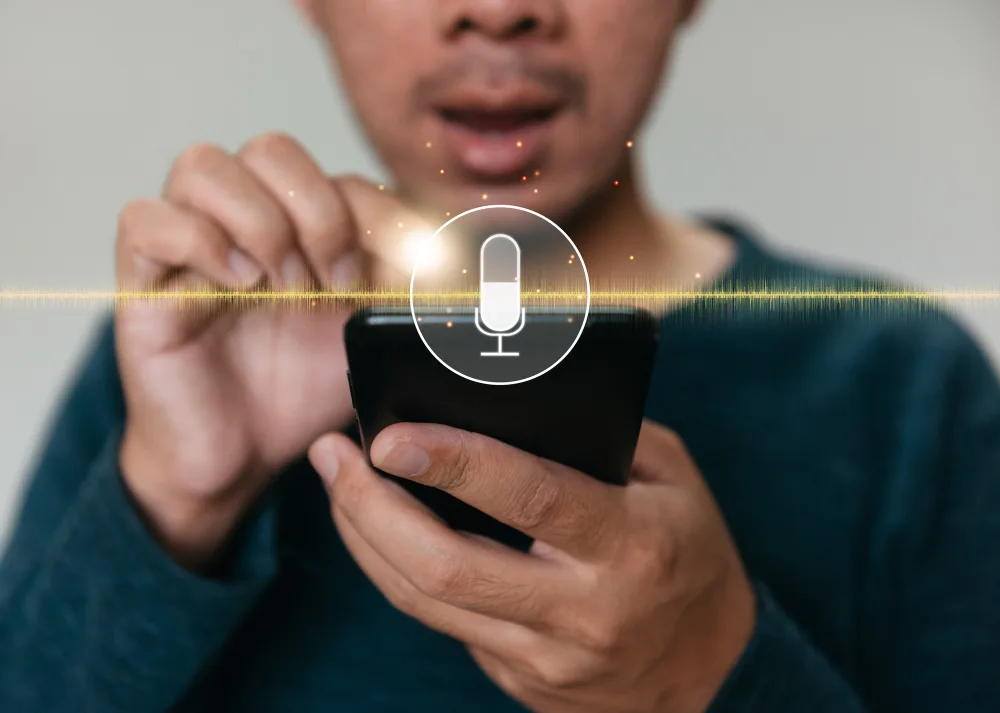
{"x":861,"y":131}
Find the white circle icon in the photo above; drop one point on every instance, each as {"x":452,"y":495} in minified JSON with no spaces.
{"x":506,"y":297}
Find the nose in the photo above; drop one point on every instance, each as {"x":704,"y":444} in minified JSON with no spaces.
{"x":503,"y":19}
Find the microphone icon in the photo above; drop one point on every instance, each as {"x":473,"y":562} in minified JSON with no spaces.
{"x":500,"y":309}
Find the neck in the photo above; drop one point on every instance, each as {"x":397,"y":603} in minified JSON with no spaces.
{"x":619,"y":234}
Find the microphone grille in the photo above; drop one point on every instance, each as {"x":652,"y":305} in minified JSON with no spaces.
{"x":500,"y":259}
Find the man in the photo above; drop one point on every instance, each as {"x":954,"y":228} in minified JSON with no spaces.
{"x":819,"y":535}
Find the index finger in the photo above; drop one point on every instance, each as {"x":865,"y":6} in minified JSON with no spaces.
{"x":388,"y":230}
{"x":547,"y":501}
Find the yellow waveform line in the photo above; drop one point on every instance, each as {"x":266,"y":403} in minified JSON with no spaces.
{"x":602,"y":296}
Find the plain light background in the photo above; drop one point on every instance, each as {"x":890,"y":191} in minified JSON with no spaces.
{"x":864,"y":131}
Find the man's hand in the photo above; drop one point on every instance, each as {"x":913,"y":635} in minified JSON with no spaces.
{"x":222,"y":396}
{"x":632,"y":598}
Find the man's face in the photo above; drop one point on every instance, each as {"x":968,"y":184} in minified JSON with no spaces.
{"x":528,"y":102}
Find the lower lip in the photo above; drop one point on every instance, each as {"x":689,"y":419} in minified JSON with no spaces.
{"x":502,"y":154}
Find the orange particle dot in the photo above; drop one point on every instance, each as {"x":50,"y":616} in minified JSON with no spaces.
{"x":538,"y":173}
{"x":628,"y":144}
{"x":536,"y":190}
{"x":485,"y":196}
{"x":464,"y":271}
{"x":520,"y":144}
{"x":447,"y":215}
{"x":697,"y":275}
{"x":428,"y":144}
{"x":449,"y":325}
{"x":616,"y":183}
{"x":399,"y":224}
{"x":631,"y":257}
{"x":442,"y":171}
{"x":569,"y":262}
{"x":381,"y":187}
{"x":524,"y":178}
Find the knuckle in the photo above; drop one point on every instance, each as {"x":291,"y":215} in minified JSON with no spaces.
{"x":540,"y":503}
{"x":673,"y":443}
{"x":197,"y":159}
{"x":556,"y":672}
{"x":654,"y":558}
{"x":353,"y":181}
{"x":133,"y":215}
{"x":462,"y":460}
{"x":443,"y":580}
{"x":268,"y":145}
{"x":603,"y":633}
{"x":266,"y":233}
{"x":327,"y":223}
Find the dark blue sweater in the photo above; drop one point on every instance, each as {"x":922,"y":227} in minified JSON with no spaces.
{"x":854,"y":451}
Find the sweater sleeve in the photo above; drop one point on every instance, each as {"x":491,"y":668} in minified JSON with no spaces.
{"x":929,"y":635}
{"x":93,"y":614}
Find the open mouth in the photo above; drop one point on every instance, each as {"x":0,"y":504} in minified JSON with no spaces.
{"x":498,"y":137}
{"x":498,"y":122}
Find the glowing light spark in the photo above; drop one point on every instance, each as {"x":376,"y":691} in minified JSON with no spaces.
{"x":442,"y":171}
{"x":538,"y":173}
{"x":697,"y":275}
{"x":628,"y":144}
{"x":381,"y":186}
{"x":616,"y":183}
{"x":428,"y":144}
{"x":520,"y":144}
{"x":423,"y":250}
{"x":291,"y":194}
{"x":536,"y":190}
{"x":631,"y":257}
{"x":449,"y":325}
{"x":485,"y":196}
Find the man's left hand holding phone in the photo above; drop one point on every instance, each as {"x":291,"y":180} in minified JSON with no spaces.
{"x":640,"y":578}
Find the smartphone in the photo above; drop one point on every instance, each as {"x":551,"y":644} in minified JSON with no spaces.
{"x":584,"y":413}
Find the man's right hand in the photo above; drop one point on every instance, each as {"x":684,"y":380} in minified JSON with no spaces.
{"x":220,"y":398}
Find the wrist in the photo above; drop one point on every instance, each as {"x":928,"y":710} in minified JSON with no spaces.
{"x":191,"y":525}
{"x":719,"y":636}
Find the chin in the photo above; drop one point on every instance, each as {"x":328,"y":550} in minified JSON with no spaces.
{"x":556,"y":203}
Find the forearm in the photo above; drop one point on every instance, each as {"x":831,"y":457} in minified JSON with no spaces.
{"x":781,"y":671}
{"x":100,"y":617}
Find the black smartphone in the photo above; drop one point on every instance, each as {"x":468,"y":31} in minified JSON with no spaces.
{"x":585,"y":412}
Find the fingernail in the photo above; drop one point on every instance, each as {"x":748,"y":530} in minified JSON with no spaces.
{"x":346,"y":272}
{"x":328,"y":465}
{"x":293,"y":272}
{"x":403,"y":459}
{"x":242,"y":265}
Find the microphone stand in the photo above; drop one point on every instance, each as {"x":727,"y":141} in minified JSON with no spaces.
{"x":500,"y":336}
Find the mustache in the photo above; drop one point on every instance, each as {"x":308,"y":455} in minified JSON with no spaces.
{"x":490,"y":71}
